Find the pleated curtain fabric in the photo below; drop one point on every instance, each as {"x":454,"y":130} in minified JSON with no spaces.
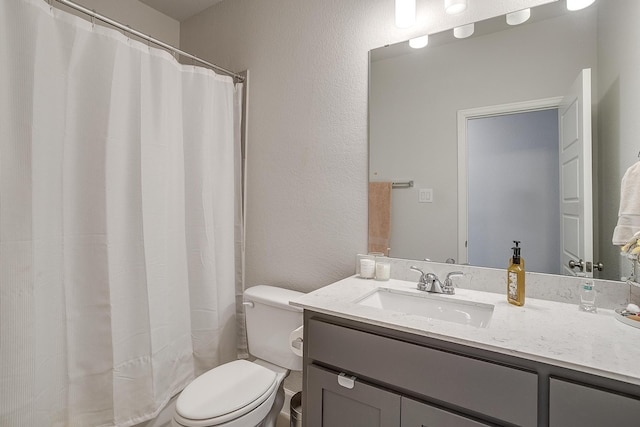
{"x":118,"y":201}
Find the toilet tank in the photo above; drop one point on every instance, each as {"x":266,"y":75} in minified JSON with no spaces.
{"x":270,"y":320}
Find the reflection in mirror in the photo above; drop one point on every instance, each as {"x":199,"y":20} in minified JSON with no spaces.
{"x":415,"y":98}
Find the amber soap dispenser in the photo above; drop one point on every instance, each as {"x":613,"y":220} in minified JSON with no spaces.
{"x":515,"y":277}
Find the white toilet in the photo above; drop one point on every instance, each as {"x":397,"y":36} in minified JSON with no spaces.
{"x":243,"y":393}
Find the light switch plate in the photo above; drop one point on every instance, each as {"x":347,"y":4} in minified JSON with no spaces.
{"x":425,"y":195}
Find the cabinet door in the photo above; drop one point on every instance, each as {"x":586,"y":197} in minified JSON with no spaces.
{"x":577,"y":405}
{"x":330,"y":404}
{"x":419,"y":414}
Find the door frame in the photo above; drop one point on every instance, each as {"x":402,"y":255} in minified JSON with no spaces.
{"x":463,"y":162}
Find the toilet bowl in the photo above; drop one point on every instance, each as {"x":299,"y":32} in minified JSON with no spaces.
{"x":246,"y":393}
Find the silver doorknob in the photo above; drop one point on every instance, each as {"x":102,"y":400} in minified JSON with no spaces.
{"x":598,"y":266}
{"x":579,"y":264}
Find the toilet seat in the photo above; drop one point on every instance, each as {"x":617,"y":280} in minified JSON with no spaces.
{"x":226,"y":393}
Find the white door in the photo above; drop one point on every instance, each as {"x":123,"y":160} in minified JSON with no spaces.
{"x":576,"y":205}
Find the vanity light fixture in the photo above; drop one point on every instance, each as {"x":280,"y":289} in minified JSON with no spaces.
{"x":579,"y":4}
{"x":463,"y":31}
{"x":405,"y":13}
{"x":419,"y":42}
{"x":517,"y":18}
{"x":454,"y":6}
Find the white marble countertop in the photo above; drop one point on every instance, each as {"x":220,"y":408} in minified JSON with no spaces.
{"x":545,"y":331}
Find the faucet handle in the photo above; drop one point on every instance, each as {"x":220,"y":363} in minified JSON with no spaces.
{"x":449,"y":287}
{"x":423,"y":278}
{"x":454,"y":273}
{"x":414,"y":268}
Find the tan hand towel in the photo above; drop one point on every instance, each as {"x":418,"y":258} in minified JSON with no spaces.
{"x":379,"y":216}
{"x":629,"y":213}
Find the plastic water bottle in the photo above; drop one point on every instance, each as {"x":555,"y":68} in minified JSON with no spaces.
{"x":588,"y":297}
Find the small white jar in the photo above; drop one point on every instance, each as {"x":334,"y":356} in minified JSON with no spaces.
{"x":367,"y":267}
{"x":383,"y":269}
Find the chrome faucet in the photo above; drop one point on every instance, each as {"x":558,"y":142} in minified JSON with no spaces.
{"x":435,"y":286}
{"x":429,"y":282}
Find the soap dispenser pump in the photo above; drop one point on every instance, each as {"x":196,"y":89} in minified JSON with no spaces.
{"x":515,"y":277}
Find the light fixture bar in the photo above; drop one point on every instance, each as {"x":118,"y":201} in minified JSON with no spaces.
{"x":464,"y":31}
{"x":517,"y":18}
{"x":405,"y":13}
{"x":579,"y":4}
{"x":419,"y":42}
{"x":455,"y":6}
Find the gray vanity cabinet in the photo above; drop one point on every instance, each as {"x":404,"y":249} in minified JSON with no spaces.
{"x":396,"y":378}
{"x":579,"y":405}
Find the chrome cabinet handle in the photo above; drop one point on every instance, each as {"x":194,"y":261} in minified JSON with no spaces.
{"x":346,"y":381}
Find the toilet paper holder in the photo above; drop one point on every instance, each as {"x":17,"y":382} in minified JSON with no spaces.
{"x":296,"y":341}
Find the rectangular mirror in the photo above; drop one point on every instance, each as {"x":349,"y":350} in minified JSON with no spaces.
{"x":450,"y":116}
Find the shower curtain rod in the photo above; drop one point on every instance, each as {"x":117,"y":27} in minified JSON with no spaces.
{"x":237,"y":77}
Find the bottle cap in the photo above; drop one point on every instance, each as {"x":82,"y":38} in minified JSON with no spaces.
{"x":516,"y":252}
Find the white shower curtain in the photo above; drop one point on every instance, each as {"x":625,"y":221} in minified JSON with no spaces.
{"x":117,"y":181}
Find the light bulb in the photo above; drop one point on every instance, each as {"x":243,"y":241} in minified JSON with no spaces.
{"x":463,"y":31}
{"x":405,"y":13}
{"x":579,"y":4}
{"x":517,"y":18}
{"x":419,"y":42}
{"x":454,"y":6}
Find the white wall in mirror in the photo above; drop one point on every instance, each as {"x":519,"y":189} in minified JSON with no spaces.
{"x":618,"y":81}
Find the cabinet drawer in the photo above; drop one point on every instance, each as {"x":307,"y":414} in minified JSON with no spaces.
{"x":575,"y":404}
{"x":486,"y":388}
{"x":418,"y":414}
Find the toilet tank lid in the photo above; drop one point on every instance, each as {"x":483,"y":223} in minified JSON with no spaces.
{"x":272,"y":295}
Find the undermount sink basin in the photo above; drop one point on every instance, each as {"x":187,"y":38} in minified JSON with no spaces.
{"x":431,"y":306}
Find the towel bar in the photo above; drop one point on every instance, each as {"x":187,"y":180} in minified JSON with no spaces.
{"x":406,"y":184}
